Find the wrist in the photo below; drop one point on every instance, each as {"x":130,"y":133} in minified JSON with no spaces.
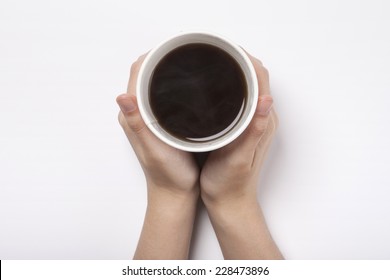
{"x":177,"y":188}
{"x":167,"y":229}
{"x":242,"y":230}
{"x":232,"y":209}
{"x":230,"y":199}
{"x":168,"y":198}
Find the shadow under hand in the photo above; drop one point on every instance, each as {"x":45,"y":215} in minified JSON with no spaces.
{"x":201,"y":158}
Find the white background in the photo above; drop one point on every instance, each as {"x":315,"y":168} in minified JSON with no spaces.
{"x":70,"y":184}
{"x":277,"y":270}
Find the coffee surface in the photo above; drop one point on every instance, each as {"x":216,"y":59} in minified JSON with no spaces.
{"x":197,"y":92}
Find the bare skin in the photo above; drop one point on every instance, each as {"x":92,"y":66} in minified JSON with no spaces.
{"x":227,"y":182}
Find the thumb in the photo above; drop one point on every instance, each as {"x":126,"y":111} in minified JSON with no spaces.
{"x":258,"y":125}
{"x":131,"y":116}
{"x":260,"y":119}
{"x":245,"y":145}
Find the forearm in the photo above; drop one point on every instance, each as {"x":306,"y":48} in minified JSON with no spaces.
{"x":241,"y":230}
{"x":167,"y":229}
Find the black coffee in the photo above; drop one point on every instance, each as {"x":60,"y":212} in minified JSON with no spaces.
{"x":197,"y":92}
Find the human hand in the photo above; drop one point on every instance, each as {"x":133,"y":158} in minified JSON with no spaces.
{"x":164,"y":166}
{"x":230,"y":174}
{"x":172,"y":178}
{"x":229,"y":184}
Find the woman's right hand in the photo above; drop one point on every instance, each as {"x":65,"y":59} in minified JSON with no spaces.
{"x":164,"y":166}
{"x":172,"y":178}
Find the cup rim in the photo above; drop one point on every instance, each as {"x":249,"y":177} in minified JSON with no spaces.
{"x":198,"y":146}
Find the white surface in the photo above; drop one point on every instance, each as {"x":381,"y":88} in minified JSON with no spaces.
{"x":70,"y":185}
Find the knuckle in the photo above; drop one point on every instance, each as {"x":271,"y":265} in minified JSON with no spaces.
{"x":158,"y":159}
{"x":127,"y":121}
{"x":121,"y":119}
{"x":271,"y":128}
{"x":259,"y":127}
{"x":257,"y":64}
{"x":134,"y":67}
{"x":141,"y":58}
{"x":154,"y":160}
{"x":136,"y":127}
{"x":244,"y":167}
{"x":275,"y":119}
{"x":264,"y":73}
{"x":240,"y":165}
{"x":259,"y":61}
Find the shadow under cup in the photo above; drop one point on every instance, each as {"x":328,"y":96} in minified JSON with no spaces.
{"x":197,"y":91}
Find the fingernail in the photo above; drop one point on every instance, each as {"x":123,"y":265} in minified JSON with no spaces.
{"x":264,"y":107}
{"x":127,"y":105}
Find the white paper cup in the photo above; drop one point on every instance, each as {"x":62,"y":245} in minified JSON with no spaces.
{"x":146,"y":72}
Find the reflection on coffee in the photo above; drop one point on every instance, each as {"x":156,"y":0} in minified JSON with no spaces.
{"x":197,"y":92}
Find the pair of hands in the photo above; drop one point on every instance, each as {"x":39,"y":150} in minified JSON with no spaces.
{"x":227,"y":180}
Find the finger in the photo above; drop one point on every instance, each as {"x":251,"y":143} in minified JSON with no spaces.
{"x":262,"y":76}
{"x":146,"y":145}
{"x":245,"y":145}
{"x":275,"y":118}
{"x":128,"y":105}
{"x":134,"y":74}
{"x":260,"y":120}
{"x":265,"y":141}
